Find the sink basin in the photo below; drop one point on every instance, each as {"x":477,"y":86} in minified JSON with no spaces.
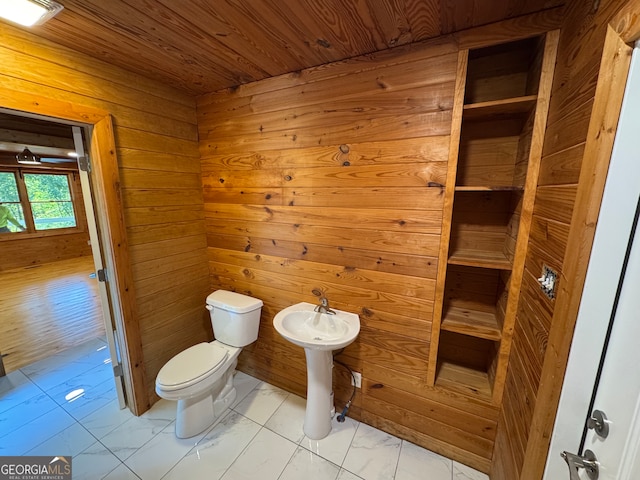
{"x":301,"y":325}
{"x":319,"y":334}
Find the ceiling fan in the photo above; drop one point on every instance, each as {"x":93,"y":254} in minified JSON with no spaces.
{"x":27,"y":157}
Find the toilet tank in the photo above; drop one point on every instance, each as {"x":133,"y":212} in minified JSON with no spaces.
{"x":235,"y":317}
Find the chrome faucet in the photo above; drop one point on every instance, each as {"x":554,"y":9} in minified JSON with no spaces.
{"x":324,"y":307}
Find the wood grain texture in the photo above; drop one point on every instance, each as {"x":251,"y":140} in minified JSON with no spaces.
{"x":155,"y":131}
{"x":495,"y":170}
{"x":357,"y":216}
{"x":608,"y":96}
{"x":575,"y":158}
{"x":200,"y":47}
{"x":35,"y":326}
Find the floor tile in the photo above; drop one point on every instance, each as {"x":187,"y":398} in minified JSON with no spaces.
{"x":243,"y":384}
{"x":309,"y":466}
{"x":124,"y":440}
{"x":261,"y":403}
{"x":58,"y":369}
{"x":70,"y":442}
{"x":288,"y":420}
{"x":15,"y":388}
{"x":94,"y":463}
{"x":25,"y":412}
{"x":91,"y":399}
{"x":262,"y":437}
{"x":265,"y":458}
{"x":156,"y":457}
{"x":85,"y":380}
{"x":35,"y":432}
{"x":462,"y":472}
{"x":373,"y":454}
{"x":162,"y":410}
{"x":347,"y":475}
{"x":415,"y":462}
{"x":215,"y":453}
{"x":106,"y":419}
{"x":335,"y":446}
{"x":122,"y":473}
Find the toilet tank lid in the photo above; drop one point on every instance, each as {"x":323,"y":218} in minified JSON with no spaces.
{"x":233,"y":302}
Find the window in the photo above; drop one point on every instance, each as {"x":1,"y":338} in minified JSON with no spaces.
{"x":50,"y":199}
{"x":38,"y":201}
{"x":10,"y":198}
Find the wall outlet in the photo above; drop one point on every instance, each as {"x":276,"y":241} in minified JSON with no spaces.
{"x":548,"y":282}
{"x":358,"y":378}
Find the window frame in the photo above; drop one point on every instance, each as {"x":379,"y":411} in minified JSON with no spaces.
{"x":30,"y":228}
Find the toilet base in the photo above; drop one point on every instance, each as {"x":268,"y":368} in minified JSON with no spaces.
{"x":195,"y":415}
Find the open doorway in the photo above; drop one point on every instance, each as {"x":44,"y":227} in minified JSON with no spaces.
{"x":51,"y":251}
{"x":107,"y":198}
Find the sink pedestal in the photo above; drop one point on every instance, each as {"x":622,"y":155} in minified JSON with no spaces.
{"x":319,"y":333}
{"x":317,"y":417}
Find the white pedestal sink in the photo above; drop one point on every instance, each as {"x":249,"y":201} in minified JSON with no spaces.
{"x":319,"y":334}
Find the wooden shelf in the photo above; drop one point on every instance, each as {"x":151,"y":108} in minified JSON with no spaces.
{"x":476,"y":323}
{"x":480,"y":258}
{"x":488,"y":188}
{"x":465,"y":380}
{"x":507,"y":106}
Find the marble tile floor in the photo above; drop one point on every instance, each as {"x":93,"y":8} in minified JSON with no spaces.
{"x":66,"y":405}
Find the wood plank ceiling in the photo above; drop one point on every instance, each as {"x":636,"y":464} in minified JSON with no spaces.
{"x":202,"y":46}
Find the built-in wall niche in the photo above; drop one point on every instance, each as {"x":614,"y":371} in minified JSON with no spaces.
{"x":485,"y":214}
{"x":484,"y":228}
{"x":493,"y":152}
{"x":502,"y":72}
{"x":475,"y":301}
{"x":467,"y":364}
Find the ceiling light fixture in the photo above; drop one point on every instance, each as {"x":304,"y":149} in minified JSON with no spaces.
{"x":26,"y":157}
{"x":29,"y":12}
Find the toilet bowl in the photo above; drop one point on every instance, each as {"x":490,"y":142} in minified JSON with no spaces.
{"x":200,"y":378}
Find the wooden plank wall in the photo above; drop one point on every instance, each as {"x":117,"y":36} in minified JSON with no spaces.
{"x":331,"y":180}
{"x":580,"y":49}
{"x":156,"y":139}
{"x":47,"y":248}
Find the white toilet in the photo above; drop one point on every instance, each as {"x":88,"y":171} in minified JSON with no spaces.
{"x":200,"y":379}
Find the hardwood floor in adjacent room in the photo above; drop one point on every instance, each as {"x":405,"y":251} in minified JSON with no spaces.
{"x":46,"y":309}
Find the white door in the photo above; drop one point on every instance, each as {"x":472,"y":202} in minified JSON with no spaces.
{"x":109,"y":322}
{"x":604,"y":365}
{"x":618,"y":389}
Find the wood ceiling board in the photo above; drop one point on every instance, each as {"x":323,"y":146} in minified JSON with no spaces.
{"x":201,"y":46}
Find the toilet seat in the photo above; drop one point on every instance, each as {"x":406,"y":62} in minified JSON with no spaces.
{"x":191,"y":366}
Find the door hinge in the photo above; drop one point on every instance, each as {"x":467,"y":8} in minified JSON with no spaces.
{"x":117,"y":370}
{"x":102,"y":275}
{"x":83,"y":163}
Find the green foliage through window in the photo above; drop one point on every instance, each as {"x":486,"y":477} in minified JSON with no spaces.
{"x":49,"y":199}
{"x":10,"y":198}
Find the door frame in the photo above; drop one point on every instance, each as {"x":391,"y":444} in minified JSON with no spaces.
{"x":622,"y":31}
{"x":109,"y":208}
{"x":111,"y":328}
{"x":606,"y":264}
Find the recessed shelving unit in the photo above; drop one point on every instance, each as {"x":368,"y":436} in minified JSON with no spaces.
{"x":506,"y":106}
{"x":466,"y":365}
{"x":475,"y":301}
{"x":499,"y":131}
{"x":484,"y":226}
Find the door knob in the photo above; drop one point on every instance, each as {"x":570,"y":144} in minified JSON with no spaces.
{"x":588,"y":461}
{"x":598,"y":423}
